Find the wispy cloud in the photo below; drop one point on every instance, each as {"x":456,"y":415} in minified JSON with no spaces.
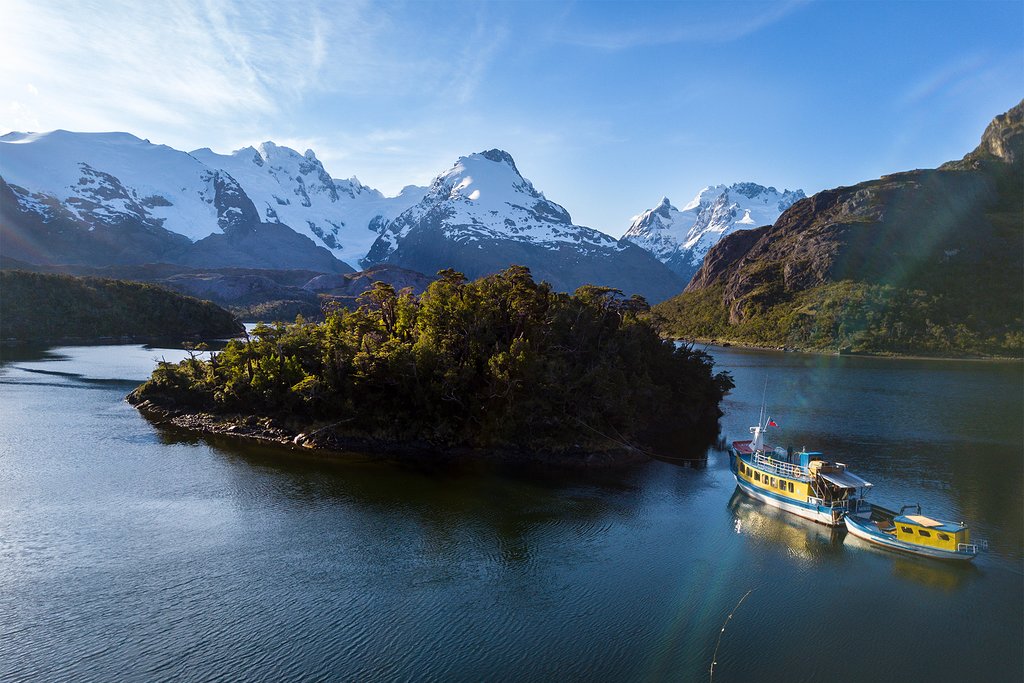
{"x":952,"y":76}
{"x":735,"y":26}
{"x":144,"y":65}
{"x":482,"y":46}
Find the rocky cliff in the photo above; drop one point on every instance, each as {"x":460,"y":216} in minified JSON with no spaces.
{"x":945,"y":242}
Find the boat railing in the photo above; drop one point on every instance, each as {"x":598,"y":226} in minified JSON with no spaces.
{"x":972,"y":548}
{"x":786,"y":469}
{"x":831,"y":504}
{"x":857,"y":504}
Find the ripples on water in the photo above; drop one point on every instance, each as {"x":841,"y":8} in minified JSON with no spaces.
{"x":130,"y":553}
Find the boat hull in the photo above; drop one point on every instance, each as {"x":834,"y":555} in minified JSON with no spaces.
{"x":825,"y":517}
{"x":867,"y":532}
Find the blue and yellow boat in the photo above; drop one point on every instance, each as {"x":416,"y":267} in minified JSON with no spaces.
{"x":803,"y":483}
{"x":916,"y":534}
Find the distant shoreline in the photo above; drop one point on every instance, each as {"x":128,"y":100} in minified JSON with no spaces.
{"x":725,"y":343}
{"x":172,"y":340}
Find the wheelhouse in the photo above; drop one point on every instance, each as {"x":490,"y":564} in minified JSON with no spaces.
{"x":925,"y":531}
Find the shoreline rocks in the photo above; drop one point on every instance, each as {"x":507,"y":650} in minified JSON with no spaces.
{"x":328,"y":441}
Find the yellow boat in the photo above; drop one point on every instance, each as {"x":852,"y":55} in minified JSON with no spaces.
{"x":803,"y":483}
{"x":916,"y":534}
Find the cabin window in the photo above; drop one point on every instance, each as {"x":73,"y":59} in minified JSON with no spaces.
{"x":791,"y":487}
{"x":906,"y":530}
{"x":773,"y":481}
{"x":943,"y":537}
{"x":924,"y":533}
{"x":757,"y":476}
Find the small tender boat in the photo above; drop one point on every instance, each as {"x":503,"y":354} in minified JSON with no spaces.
{"x":916,"y":534}
{"x":804,"y":483}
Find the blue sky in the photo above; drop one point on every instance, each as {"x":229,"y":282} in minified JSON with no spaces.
{"x":606,"y":106}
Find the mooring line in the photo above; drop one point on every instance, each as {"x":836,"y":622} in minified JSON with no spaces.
{"x":714,"y":657}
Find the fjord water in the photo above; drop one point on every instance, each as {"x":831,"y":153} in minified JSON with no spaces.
{"x":132,"y":553}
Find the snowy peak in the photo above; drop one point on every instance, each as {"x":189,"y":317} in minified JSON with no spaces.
{"x":296,"y":190}
{"x":482,"y":215}
{"x":484,"y":197}
{"x":487,"y":179}
{"x":302,"y":175}
{"x":680,"y":238}
{"x":663,"y":210}
{"x":97,"y":179}
{"x":111,"y":178}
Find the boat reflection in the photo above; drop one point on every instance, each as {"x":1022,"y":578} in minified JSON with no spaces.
{"x":803,"y":538}
{"x":943,"y":576}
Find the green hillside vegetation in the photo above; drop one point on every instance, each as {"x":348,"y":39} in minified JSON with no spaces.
{"x":850,"y":316}
{"x":926,"y":262}
{"x":38,"y":306}
{"x":497,"y":362}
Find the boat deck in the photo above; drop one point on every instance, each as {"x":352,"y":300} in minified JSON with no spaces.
{"x":743,"y":447}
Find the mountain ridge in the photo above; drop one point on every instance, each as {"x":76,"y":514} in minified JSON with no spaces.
{"x":924,"y":261}
{"x":112,"y":198}
{"x":680,"y":238}
{"x":482,"y":215}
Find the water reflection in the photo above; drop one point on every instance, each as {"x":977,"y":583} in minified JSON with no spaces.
{"x":935,"y":574}
{"x":810,"y":541}
{"x":26,"y":352}
{"x":502,"y":516}
{"x":803,"y":538}
{"x":943,"y":576}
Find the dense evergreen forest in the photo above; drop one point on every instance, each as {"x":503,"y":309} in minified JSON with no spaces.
{"x":856,"y":317}
{"x":499,"y":362}
{"x":39,"y":306}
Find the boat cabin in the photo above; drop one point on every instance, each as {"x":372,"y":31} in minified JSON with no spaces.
{"x":921,"y":530}
{"x":805,"y":458}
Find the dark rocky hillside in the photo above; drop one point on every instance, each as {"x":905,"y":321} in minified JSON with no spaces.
{"x":629,"y":268}
{"x":354,"y":284}
{"x":251,"y":293}
{"x":926,"y":261}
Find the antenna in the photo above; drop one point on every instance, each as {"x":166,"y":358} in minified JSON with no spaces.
{"x":764,"y":395}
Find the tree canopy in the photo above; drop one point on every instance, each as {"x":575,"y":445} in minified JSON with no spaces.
{"x":502,"y":361}
{"x":41,"y":306}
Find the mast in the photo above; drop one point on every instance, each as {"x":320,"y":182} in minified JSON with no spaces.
{"x":757,"y":443}
{"x":764,"y":395}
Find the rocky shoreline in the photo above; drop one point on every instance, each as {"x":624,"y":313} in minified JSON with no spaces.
{"x":727,"y":343}
{"x":330,"y":441}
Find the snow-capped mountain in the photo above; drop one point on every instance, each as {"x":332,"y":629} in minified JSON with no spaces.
{"x":680,"y":238}
{"x":296,"y":190}
{"x":110,"y":178}
{"x":103,"y":199}
{"x":113,"y":198}
{"x":482,"y":215}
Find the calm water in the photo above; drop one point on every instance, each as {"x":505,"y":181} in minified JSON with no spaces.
{"x":127,"y":553}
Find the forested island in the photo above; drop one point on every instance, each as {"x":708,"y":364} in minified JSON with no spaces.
{"x":498,"y":364}
{"x":50,"y":307}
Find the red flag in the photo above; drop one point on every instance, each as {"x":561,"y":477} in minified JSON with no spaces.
{"x":771,"y":423}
